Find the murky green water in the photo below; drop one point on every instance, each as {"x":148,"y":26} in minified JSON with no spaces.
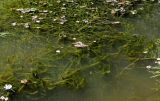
{"x":133,"y":83}
{"x":130,"y":87}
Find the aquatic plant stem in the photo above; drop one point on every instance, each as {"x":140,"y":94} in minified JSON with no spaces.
{"x":125,"y":68}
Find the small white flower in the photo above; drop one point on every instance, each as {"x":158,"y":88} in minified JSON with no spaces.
{"x":37,"y":27}
{"x":133,"y":12}
{"x":84,"y":6}
{"x":85,"y":20}
{"x":75,"y":15}
{"x":54,"y":19}
{"x":32,"y":9}
{"x":74,"y":38}
{"x":157,"y":62}
{"x":79,"y":44}
{"x":115,"y":22}
{"x":14,"y":24}
{"x":110,"y":1}
{"x":26,"y":25}
{"x":63,"y":17}
{"x":50,"y":11}
{"x":70,"y":1}
{"x":158,"y":59}
{"x":62,"y":22}
{"x":21,"y":16}
{"x":8,"y":87}
{"x":34,"y":17}
{"x":58,"y":1}
{"x":148,"y":67}
{"x":77,"y":21}
{"x":58,"y":51}
{"x":145,"y":52}
{"x":63,"y":8}
{"x":40,"y":18}
{"x":141,"y":8}
{"x":4,"y":98}
{"x":45,"y":11}
{"x":38,"y":21}
{"x":122,"y":9}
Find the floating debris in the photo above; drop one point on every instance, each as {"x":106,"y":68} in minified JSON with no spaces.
{"x":26,"y":10}
{"x":79,"y":44}
{"x":24,"y":81}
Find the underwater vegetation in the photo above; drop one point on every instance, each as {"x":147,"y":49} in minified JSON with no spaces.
{"x":48,"y":44}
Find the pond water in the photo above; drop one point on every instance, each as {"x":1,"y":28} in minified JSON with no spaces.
{"x":134,"y":84}
{"x":127,"y":82}
{"x":130,"y":87}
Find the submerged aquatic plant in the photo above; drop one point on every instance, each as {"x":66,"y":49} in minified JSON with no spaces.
{"x":43,"y":57}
